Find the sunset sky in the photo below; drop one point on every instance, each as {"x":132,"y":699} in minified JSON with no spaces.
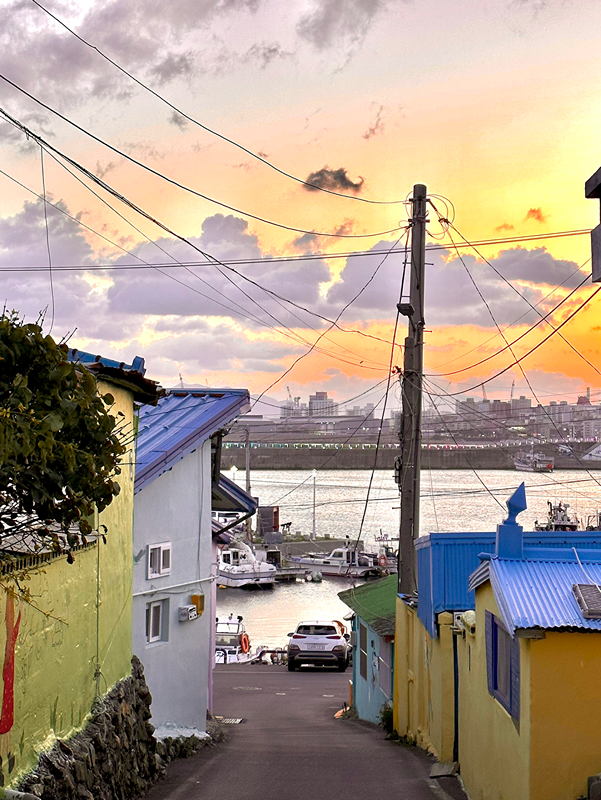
{"x":494,"y":105}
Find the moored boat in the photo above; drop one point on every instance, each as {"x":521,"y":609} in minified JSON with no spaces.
{"x":239,"y":567}
{"x":529,"y":461}
{"x":558,"y":519}
{"x":343,"y":561}
{"x":232,"y":642}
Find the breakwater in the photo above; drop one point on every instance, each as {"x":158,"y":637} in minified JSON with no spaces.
{"x":291,"y":457}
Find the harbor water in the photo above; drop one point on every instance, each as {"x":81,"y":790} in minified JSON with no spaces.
{"x":454,"y":500}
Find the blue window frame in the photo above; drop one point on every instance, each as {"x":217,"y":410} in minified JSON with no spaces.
{"x":503,"y":665}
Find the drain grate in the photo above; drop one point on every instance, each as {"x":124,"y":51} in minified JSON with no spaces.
{"x":232,"y":721}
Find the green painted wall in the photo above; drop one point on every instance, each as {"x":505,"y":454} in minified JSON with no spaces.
{"x":90,"y":603}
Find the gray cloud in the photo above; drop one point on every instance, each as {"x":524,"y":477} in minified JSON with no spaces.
{"x":305,"y":242}
{"x":264,"y":54}
{"x":451,"y":298}
{"x":377,"y":126}
{"x":333,"y":179}
{"x":177,"y":120}
{"x":332,"y":22}
{"x":157,"y":41}
{"x":174,"y":65}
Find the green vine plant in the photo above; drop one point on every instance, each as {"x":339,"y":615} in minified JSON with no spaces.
{"x":60,"y":447}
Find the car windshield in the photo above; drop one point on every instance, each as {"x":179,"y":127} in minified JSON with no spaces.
{"x":317,"y":630}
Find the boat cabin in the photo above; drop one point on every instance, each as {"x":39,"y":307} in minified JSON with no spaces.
{"x":233,"y":557}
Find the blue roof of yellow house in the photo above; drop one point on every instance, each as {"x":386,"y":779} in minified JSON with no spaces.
{"x":446,"y":560}
{"x":181,"y":421}
{"x":375,"y":603}
{"x":129,"y":376}
{"x":538,"y":593}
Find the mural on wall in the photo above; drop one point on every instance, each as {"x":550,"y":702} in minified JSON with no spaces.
{"x":7,"y":716}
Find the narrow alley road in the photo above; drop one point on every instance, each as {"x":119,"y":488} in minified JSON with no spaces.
{"x":290,"y":745}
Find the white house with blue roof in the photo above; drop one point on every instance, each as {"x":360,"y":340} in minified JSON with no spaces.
{"x":178,"y":483}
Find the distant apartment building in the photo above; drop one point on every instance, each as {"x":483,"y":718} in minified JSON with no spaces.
{"x":357,"y":411}
{"x":293,"y":408}
{"x":320,"y":405}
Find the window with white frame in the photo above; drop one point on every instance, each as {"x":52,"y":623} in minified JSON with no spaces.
{"x":156,"y":621}
{"x":159,"y":559}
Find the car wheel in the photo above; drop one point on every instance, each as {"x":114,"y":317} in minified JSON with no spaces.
{"x":291,"y":665}
{"x":342,"y":665}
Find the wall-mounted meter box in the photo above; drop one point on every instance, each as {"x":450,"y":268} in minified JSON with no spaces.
{"x":186,"y":613}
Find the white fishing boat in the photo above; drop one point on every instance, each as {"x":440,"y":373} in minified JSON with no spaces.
{"x":232,"y":642}
{"x":344,"y":561}
{"x":239,"y":567}
{"x":529,"y":461}
{"x":388,"y":556}
{"x":558,"y":519}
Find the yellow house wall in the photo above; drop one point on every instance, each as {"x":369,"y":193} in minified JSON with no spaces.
{"x":566,"y":709}
{"x":494,"y":751}
{"x":423,"y":683}
{"x":58,"y":645}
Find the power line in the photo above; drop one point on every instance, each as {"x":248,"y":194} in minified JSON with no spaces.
{"x":206,"y":128}
{"x":212,"y":259}
{"x":284,"y":259}
{"x":47,"y":239}
{"x":145,"y":264}
{"x":244,"y":312}
{"x":508,"y":345}
{"x":350,"y":302}
{"x":533,"y":349}
{"x":172,"y":181}
{"x":515,"y":321}
{"x":534,"y":308}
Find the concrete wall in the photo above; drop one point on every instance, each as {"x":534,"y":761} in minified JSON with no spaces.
{"x":494,"y":750}
{"x":368,"y":695}
{"x":176,"y":508}
{"x":363,"y":458}
{"x":423,"y":683}
{"x":565,"y":711}
{"x":80,"y":616}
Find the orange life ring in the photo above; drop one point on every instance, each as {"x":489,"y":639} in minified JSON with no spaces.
{"x":244,"y":643}
{"x":382,"y":560}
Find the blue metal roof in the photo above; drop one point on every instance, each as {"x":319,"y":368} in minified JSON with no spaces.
{"x":445,"y":562}
{"x":533,"y":593}
{"x":228,"y":496}
{"x":180,"y":422}
{"x":81,"y":357}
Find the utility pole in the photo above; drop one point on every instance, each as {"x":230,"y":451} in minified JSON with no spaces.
{"x":314,"y":531}
{"x":247,"y":467}
{"x":411,"y":384}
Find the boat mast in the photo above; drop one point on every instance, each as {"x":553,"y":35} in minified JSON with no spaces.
{"x":411,"y":385}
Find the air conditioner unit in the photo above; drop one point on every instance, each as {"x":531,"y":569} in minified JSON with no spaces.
{"x":187,"y":613}
{"x":353,"y":639}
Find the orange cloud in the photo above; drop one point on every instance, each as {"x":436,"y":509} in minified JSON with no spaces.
{"x":537,"y":215}
{"x":505,"y":227}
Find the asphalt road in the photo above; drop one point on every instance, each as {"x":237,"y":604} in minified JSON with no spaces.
{"x":291,"y":745}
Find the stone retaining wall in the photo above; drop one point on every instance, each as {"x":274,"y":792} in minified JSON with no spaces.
{"x":116,"y":756}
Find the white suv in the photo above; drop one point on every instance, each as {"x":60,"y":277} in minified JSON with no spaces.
{"x":320,"y":643}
